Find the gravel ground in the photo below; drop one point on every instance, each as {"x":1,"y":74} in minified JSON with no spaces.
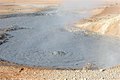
{"x":10,"y":71}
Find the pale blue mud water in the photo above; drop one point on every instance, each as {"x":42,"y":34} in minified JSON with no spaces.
{"x":46,"y":43}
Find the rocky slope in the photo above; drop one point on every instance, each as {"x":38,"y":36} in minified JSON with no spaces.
{"x":106,"y":22}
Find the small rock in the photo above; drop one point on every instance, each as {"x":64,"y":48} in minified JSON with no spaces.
{"x":101,"y":70}
{"x":102,"y":78}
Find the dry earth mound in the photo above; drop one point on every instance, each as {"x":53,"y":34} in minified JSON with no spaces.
{"x":106,"y":22}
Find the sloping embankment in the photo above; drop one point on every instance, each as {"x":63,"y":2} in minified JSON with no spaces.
{"x":106,"y":22}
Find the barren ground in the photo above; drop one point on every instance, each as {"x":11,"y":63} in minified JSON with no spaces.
{"x":106,"y":21}
{"x":9,"y":71}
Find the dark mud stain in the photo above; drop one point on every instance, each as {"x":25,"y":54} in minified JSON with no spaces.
{"x":5,"y":36}
{"x":23,"y":14}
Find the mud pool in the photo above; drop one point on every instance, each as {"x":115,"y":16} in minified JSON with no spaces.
{"x":47,"y":43}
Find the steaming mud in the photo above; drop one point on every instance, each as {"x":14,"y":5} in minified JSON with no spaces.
{"x":48,"y":43}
